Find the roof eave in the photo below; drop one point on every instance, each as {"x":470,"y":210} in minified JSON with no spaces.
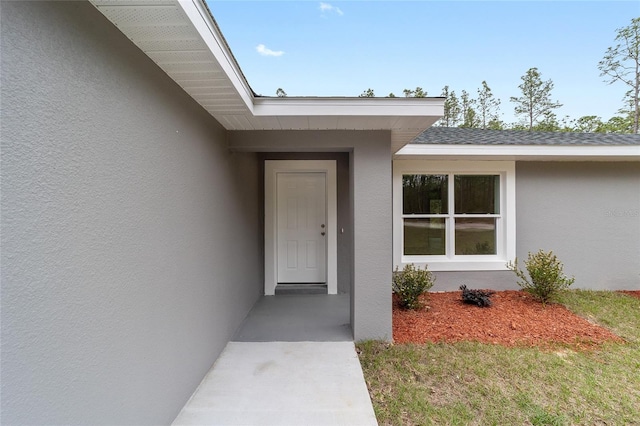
{"x":183,"y":39}
{"x":203,"y":21}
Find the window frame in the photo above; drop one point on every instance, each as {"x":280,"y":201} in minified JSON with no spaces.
{"x":505,"y":220}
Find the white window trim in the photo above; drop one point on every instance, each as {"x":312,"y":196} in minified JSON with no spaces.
{"x":506,"y":234}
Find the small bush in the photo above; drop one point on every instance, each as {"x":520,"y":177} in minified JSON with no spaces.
{"x":410,"y":283}
{"x":546,"y":273}
{"x":481,"y":298}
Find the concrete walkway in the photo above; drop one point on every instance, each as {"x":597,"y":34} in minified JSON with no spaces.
{"x":293,"y":362}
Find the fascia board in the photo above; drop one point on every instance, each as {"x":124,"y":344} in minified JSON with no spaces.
{"x":413,"y":107}
{"x":526,"y":152}
{"x":202,"y":22}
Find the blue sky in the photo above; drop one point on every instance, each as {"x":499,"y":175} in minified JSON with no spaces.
{"x":312,"y":48}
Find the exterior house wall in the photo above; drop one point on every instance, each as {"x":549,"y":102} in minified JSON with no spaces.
{"x":371,"y":213}
{"x":495,"y":280}
{"x":130,"y":234}
{"x":586,"y":212}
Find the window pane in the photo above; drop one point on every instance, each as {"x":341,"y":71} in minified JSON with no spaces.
{"x":477,"y":194}
{"x":424,"y":194}
{"x":424,"y":236}
{"x":475,"y":236}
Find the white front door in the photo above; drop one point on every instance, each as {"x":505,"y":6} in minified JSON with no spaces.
{"x":299,"y":197}
{"x":301,"y":227}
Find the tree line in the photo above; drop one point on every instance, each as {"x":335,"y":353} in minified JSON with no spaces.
{"x":535,"y":107}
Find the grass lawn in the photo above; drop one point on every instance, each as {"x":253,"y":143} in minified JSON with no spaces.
{"x":471,"y":383}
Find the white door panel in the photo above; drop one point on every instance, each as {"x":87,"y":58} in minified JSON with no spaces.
{"x":301,"y":227}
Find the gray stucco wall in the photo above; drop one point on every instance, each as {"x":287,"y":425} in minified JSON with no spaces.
{"x":495,"y":280}
{"x":130,"y":234}
{"x":370,"y":192}
{"x":588,"y":213}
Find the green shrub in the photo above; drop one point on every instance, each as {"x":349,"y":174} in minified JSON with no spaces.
{"x":410,"y":283}
{"x":546,"y":273}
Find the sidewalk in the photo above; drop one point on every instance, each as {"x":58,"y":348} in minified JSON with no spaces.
{"x":282,"y":383}
{"x":290,"y":380}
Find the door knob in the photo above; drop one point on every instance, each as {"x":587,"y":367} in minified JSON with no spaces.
{"x":322,"y":226}
{"x":322,"y":233}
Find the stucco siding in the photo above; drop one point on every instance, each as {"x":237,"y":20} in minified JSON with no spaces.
{"x":588,"y":213}
{"x":495,"y":280}
{"x":131,"y":236}
{"x":373,"y":245}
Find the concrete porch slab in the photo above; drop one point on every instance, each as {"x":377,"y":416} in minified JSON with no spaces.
{"x":298,"y":318}
{"x":282,"y":383}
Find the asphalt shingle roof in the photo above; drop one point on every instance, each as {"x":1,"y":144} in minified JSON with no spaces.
{"x":458,"y":136}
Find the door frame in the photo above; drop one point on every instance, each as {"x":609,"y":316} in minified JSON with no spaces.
{"x":271,"y":170}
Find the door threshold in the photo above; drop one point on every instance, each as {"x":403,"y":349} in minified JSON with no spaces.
{"x":295,"y":288}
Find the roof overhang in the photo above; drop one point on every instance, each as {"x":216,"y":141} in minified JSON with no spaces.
{"x":182,"y":38}
{"x":520,"y":152}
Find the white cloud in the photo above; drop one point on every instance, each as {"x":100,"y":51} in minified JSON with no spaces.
{"x":264,"y":51}
{"x":329,"y":8}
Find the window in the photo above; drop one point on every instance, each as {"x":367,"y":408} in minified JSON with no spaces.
{"x":454,"y":215}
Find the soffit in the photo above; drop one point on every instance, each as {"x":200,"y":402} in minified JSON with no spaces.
{"x":182,"y":38}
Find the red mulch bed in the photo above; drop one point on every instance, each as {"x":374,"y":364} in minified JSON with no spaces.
{"x":514,"y":319}
{"x":633,"y":293}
